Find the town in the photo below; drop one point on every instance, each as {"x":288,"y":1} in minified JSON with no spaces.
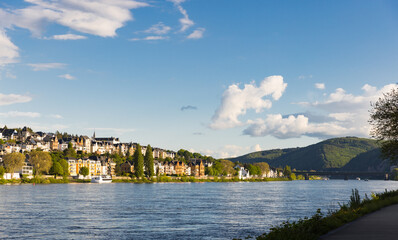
{"x":85,"y":157}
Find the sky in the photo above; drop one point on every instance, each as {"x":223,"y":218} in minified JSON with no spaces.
{"x":219,"y":77}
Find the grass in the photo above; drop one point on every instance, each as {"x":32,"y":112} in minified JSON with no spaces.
{"x":320,"y":224}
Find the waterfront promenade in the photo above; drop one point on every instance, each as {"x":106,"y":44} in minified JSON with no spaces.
{"x":381,"y":224}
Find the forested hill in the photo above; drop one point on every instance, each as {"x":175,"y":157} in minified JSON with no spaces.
{"x":348,"y":153}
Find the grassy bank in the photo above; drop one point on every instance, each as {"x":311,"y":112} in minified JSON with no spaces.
{"x":320,"y":224}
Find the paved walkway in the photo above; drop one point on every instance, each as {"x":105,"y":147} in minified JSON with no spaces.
{"x":382,"y":224}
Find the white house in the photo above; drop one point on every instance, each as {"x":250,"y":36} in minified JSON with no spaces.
{"x":243,"y":173}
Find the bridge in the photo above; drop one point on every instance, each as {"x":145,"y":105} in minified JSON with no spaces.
{"x":346,"y":175}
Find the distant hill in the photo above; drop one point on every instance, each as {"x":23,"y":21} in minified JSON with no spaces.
{"x":348,"y":153}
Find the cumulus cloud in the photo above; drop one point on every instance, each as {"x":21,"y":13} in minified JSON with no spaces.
{"x":67,"y":76}
{"x":188,"y":107}
{"x":159,"y":29}
{"x":45,"y":66}
{"x":236,"y":101}
{"x":101,"y":17}
{"x":344,"y":114}
{"x":320,"y":85}
{"x":256,"y":148}
{"x":68,"y":37}
{"x":8,"y":99}
{"x":8,"y":51}
{"x":13,"y":114}
{"x":198,"y":33}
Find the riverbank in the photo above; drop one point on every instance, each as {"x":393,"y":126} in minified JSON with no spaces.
{"x":161,"y":179}
{"x":320,"y":224}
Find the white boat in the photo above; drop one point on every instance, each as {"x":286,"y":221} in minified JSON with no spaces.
{"x":358,"y":178}
{"x":101,"y":179}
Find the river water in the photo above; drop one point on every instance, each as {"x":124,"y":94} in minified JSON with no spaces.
{"x":166,"y":210}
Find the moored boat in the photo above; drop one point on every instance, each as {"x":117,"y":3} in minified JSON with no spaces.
{"x":101,"y":179}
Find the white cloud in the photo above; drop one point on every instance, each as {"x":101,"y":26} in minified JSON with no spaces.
{"x":231,"y":151}
{"x":10,"y":75}
{"x":277,"y":126}
{"x":256,"y":148}
{"x":159,"y":29}
{"x":304,"y":77}
{"x":320,"y":85}
{"x":150,"y":38}
{"x":13,"y":114}
{"x":236,"y":101}
{"x":198,"y":33}
{"x":68,"y":37}
{"x":67,"y":76}
{"x":45,"y":66}
{"x":177,"y":1}
{"x":346,"y":115}
{"x":56,"y":116}
{"x":8,"y":99}
{"x":8,"y":51}
{"x":184,"y":21}
{"x":100,"y":17}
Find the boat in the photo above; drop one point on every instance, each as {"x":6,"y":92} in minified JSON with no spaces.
{"x":101,"y":179}
{"x":358,"y":178}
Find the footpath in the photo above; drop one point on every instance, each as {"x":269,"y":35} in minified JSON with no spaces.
{"x":382,"y":224}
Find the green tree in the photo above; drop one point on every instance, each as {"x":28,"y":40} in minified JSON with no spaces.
{"x":287,"y":172}
{"x":70,"y":151}
{"x":227,"y":167}
{"x":254,"y":170}
{"x":384,"y":121}
{"x":84,"y":171}
{"x":117,"y":158}
{"x":13,"y":161}
{"x":41,"y":161}
{"x":2,"y":171}
{"x":1,"y":142}
{"x":138,"y":162}
{"x":65,"y":167}
{"x":264,"y":167}
{"x":56,"y":169}
{"x":148,"y":162}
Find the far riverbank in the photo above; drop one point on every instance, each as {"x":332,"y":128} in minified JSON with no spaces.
{"x":161,"y":179}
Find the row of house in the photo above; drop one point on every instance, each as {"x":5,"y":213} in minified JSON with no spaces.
{"x":95,"y":165}
{"x":25,"y":141}
{"x":194,"y":168}
{"x":243,"y":173}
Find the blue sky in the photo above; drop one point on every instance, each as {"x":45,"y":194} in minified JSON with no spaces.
{"x":223,"y":77}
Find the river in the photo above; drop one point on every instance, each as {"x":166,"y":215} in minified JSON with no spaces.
{"x":166,"y":210}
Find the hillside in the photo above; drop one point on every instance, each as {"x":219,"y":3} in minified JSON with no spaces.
{"x":353,"y":153}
